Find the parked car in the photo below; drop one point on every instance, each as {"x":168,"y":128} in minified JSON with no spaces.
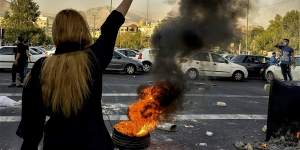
{"x":7,"y":56}
{"x":129,"y":53}
{"x":39,"y":50}
{"x":51,"y":51}
{"x":211,"y":65}
{"x":147,"y":56}
{"x":122,"y":63}
{"x":256,"y":65}
{"x":227,"y":56}
{"x":274,"y":71}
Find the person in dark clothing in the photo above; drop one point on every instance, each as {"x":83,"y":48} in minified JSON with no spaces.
{"x":286,"y":59}
{"x":21,"y":62}
{"x":67,"y":86}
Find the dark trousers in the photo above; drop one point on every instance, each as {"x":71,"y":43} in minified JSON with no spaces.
{"x":21,"y":68}
{"x":286,"y":72}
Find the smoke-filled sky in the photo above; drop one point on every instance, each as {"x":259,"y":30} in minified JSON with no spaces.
{"x":266,"y":9}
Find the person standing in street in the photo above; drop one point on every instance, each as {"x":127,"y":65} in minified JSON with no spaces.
{"x":273,"y":59}
{"x":286,"y":59}
{"x":67,"y":86}
{"x":21,"y":63}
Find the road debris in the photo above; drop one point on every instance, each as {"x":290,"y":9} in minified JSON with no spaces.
{"x":239,"y":145}
{"x":221,"y":104}
{"x":249,"y":147}
{"x":202,"y":144}
{"x":167,"y":127}
{"x":208,"y":133}
{"x":264,"y":129}
{"x":188,"y":126}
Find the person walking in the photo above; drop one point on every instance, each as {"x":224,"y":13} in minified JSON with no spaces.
{"x":21,"y":63}
{"x":286,"y":59}
{"x":67,"y":86}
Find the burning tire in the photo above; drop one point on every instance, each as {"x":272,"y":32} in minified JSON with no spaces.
{"x":130,"y":69}
{"x":238,"y":76}
{"x":124,"y":142}
{"x":192,"y":74}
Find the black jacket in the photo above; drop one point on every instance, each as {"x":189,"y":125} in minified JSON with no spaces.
{"x":86,"y":130}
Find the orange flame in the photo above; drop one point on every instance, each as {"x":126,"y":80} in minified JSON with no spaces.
{"x":144,"y":114}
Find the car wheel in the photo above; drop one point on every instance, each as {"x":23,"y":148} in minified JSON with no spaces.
{"x":130,"y":69}
{"x":238,"y":76}
{"x":192,"y":74}
{"x":147,"y":67}
{"x":270,"y":76}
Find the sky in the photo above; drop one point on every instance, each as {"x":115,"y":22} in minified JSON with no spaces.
{"x":263,"y":11}
{"x":157,"y":8}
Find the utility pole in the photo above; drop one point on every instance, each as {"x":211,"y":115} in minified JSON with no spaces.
{"x":247,"y":30}
{"x":147,"y":17}
{"x":1,"y":35}
{"x":94,"y":31}
{"x":111,"y":5}
{"x":299,"y":32}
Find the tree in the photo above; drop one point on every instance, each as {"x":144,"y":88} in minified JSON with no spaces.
{"x":134,"y":40}
{"x":279,"y":28}
{"x":20,"y":21}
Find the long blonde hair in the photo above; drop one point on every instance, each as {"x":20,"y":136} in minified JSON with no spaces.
{"x":65,"y":77}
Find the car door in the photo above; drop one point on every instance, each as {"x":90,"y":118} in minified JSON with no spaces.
{"x":262,"y":64}
{"x":116,"y":62}
{"x":7,"y":57}
{"x":296,"y":70}
{"x":202,"y":62}
{"x":221,"y":66}
{"x":252,"y":65}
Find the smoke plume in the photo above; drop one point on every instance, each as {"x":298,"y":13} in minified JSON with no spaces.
{"x":200,"y":25}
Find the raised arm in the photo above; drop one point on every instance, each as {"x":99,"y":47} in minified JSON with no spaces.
{"x":104,"y":46}
{"x":124,"y":7}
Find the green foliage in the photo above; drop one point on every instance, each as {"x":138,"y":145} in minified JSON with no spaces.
{"x":20,"y":21}
{"x":279,"y":28}
{"x":134,"y":40}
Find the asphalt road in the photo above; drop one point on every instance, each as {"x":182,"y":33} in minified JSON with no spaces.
{"x":242,"y":119}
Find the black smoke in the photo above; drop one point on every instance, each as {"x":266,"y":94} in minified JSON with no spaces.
{"x":201,"y":24}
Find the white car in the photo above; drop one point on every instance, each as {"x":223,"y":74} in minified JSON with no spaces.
{"x":211,"y":65}
{"x":129,"y":53}
{"x":147,"y":56}
{"x":7,"y":56}
{"x":39,"y":50}
{"x":274,"y":71}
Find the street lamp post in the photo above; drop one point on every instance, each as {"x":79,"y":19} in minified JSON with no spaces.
{"x":94,"y":31}
{"x":111,"y":5}
{"x":147,"y":17}
{"x":247,"y":30}
{"x":299,"y":32}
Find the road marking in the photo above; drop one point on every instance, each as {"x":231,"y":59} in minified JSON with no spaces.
{"x":188,"y":95}
{"x":5,"y":119}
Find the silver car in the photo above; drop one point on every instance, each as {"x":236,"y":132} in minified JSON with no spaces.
{"x":120,"y":62}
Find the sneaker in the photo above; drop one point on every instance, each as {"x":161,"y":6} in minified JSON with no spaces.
{"x":12,"y":85}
